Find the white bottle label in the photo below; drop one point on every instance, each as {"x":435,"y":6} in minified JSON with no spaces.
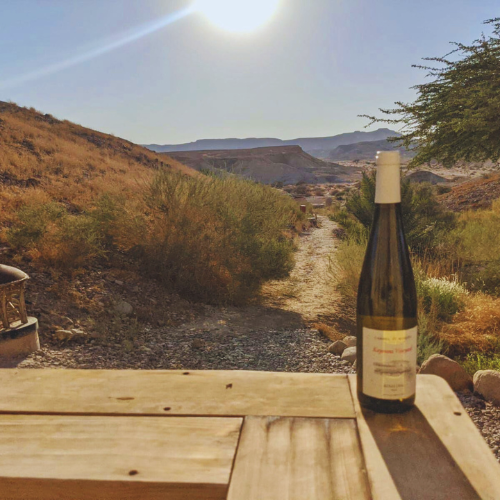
{"x":389,"y":363}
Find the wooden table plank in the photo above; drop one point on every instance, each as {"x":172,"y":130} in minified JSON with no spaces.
{"x":459,"y":434}
{"x":172,"y":392}
{"x":45,"y":457}
{"x":381,"y":482}
{"x":434,"y":451}
{"x":298,"y":459}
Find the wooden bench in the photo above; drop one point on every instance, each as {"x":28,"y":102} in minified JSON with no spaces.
{"x":127,"y":434}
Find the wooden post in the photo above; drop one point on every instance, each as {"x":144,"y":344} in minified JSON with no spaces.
{"x":5,"y":319}
{"x":22,"y":306}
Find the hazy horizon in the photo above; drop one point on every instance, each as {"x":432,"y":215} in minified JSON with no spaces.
{"x":154,"y":73}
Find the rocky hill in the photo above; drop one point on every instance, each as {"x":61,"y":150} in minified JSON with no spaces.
{"x":426,"y":176}
{"x":365,"y":150}
{"x":311,"y":145}
{"x":473,"y":194}
{"x":285,"y":164}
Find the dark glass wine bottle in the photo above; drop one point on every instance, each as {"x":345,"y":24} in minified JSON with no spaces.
{"x":387,"y":303}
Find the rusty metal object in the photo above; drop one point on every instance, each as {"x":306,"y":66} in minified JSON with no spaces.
{"x":18,"y":332}
{"x":12,"y":305}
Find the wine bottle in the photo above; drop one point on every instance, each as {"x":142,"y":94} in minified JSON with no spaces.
{"x":387,"y":303}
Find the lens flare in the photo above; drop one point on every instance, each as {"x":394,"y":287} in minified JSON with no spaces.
{"x":238,"y":15}
{"x":102,"y":48}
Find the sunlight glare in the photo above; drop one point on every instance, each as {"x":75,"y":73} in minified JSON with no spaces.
{"x":237,"y":15}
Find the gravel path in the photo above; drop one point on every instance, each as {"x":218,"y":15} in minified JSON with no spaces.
{"x":297,"y":350}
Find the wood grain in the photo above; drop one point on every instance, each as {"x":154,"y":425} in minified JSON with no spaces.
{"x":444,"y":412}
{"x":143,"y":392}
{"x":73,"y":457}
{"x":381,"y":482}
{"x":298,"y":459}
{"x":433,"y":452}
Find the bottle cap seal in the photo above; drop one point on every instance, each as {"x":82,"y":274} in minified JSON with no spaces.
{"x":388,"y":187}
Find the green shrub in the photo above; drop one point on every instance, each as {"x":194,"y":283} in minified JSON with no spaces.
{"x":424,"y":219}
{"x":444,"y":297}
{"x":475,"y":242}
{"x":356,"y":231}
{"x":33,"y":222}
{"x":442,"y":189}
{"x":427,"y":346}
{"x":477,"y":361}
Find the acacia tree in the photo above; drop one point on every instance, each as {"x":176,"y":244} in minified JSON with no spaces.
{"x":455,"y":117}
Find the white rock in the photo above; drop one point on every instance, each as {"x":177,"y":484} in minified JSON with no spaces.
{"x":337,"y":347}
{"x":123,"y":307}
{"x":64,"y":334}
{"x":349,"y":354}
{"x":448,"y":369}
{"x":487,"y":383}
{"x":350,"y":341}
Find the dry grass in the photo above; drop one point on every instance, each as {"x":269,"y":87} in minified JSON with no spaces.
{"x":328,"y":331}
{"x":476,"y":328}
{"x":48,"y":159}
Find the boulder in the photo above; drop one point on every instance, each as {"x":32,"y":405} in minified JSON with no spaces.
{"x":487,"y":384}
{"x":350,"y":341}
{"x":337,"y":347}
{"x":349,"y":354}
{"x":124,"y":308}
{"x":451,"y":371}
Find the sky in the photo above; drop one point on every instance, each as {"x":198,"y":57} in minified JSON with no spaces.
{"x":308,"y":72}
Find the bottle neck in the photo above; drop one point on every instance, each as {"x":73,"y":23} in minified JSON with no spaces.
{"x":388,"y":186}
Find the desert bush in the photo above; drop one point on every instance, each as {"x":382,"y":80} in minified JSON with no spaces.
{"x":71,"y":243}
{"x":479,"y":361}
{"x":345,"y":267}
{"x":427,"y":345}
{"x":442,"y":189}
{"x":217,"y":238}
{"x":33,"y":222}
{"x":424,"y":220}
{"x":475,"y":242}
{"x":475,"y":328}
{"x":354,"y":229}
{"x":55,"y":237}
{"x":440,"y":296}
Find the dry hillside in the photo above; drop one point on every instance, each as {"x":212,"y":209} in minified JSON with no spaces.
{"x":473,"y":194}
{"x":43,"y":156}
{"x":286,"y":164}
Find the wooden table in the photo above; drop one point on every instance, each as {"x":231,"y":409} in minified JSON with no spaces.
{"x":124,"y":434}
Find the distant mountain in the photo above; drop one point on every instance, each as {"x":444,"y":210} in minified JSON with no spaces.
{"x":311,"y":145}
{"x":365,"y":150}
{"x":286,"y":164}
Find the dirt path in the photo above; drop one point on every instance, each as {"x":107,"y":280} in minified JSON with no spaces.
{"x":309,"y":290}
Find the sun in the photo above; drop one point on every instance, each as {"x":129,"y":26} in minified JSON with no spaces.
{"x":237,"y":15}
